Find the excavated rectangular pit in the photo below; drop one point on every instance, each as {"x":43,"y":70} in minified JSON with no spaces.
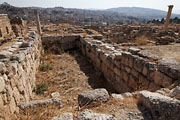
{"x":126,"y":70}
{"x":75,"y":68}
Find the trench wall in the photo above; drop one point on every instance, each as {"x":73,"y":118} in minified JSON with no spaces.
{"x":18,"y":65}
{"x":57,"y":43}
{"x":127,"y":70}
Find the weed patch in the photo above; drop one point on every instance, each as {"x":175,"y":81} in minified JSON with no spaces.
{"x":40,"y":89}
{"x":45,"y":67}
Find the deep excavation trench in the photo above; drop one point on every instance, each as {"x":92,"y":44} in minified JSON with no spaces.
{"x":72,"y":74}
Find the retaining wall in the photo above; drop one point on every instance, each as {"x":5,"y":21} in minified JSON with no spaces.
{"x":18,"y":64}
{"x":53,"y":43}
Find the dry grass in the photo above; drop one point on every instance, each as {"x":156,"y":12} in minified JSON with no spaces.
{"x":85,"y":35}
{"x":142,"y":40}
{"x":71,"y":75}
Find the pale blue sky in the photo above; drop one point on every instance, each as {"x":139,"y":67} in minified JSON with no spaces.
{"x":100,"y":4}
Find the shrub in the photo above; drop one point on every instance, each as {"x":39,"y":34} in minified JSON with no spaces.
{"x":142,"y":40}
{"x":40,"y":89}
{"x":45,"y":67}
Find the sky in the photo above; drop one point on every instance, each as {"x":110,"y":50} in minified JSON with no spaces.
{"x":98,"y":4}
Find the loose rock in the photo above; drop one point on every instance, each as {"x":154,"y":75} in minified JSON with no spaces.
{"x":175,"y":92}
{"x":37,"y":103}
{"x":65,"y":116}
{"x":161,"y":107}
{"x":97,"y":95}
{"x":89,"y":115}
{"x":55,"y":95}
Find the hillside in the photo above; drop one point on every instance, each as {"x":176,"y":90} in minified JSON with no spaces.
{"x":146,"y":13}
{"x":122,"y":15}
{"x":68,"y":15}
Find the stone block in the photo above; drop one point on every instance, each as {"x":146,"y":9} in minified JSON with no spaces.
{"x":3,"y":68}
{"x":89,"y":115}
{"x":167,"y":81}
{"x":170,"y":68}
{"x":1,"y":101}
{"x":18,"y":57}
{"x":132,"y":82}
{"x":146,"y":54}
{"x":131,"y":61}
{"x":121,"y":86}
{"x":153,"y":87}
{"x":88,"y":97}
{"x":143,"y":83}
{"x":133,"y":50}
{"x":127,"y":69}
{"x":149,"y":67}
{"x":158,"y":78}
{"x":117,"y":71}
{"x":125,"y":58}
{"x":97,"y":63}
{"x":5,"y":54}
{"x":37,"y":103}
{"x":118,"y":56}
{"x":151,"y":76}
{"x":139,"y":64}
{"x":104,"y":68}
{"x":125,"y":76}
{"x":12,"y":105}
{"x":134,"y":73}
{"x":117,"y":63}
{"x":16,"y":95}
{"x":64,"y":116}
{"x":26,"y":44}
{"x":160,"y":106}
{"x":175,"y":92}
{"x":2,"y":84}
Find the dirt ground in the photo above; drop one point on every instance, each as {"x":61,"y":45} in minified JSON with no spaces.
{"x":71,"y":75}
{"x":165,"y":51}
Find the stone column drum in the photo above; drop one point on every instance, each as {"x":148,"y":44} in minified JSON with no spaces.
{"x":168,"y":17}
{"x":36,"y":13}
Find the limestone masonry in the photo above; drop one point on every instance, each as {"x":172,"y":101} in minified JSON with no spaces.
{"x":18,"y":64}
{"x":132,"y":62}
{"x":127,"y":70}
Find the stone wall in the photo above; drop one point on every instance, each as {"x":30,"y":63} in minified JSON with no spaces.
{"x":127,"y":69}
{"x":18,"y":64}
{"x":132,"y":69}
{"x":5,"y":27}
{"x":55,"y":43}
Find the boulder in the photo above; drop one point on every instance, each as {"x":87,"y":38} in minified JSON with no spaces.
{"x":89,"y":115}
{"x":175,"y":93}
{"x":37,"y":103}
{"x":64,"y":116}
{"x":97,"y":95}
{"x":160,"y":106}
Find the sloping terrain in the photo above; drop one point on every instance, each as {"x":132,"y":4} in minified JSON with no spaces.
{"x":82,"y":16}
{"x":146,"y":13}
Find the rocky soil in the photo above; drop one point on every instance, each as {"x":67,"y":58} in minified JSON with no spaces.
{"x":73,"y":75}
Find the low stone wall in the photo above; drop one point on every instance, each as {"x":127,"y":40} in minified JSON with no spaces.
{"x":126,"y":69}
{"x":18,"y":65}
{"x":52,"y":43}
{"x":131,"y":70}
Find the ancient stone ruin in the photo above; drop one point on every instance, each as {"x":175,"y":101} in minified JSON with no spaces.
{"x":122,"y":78}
